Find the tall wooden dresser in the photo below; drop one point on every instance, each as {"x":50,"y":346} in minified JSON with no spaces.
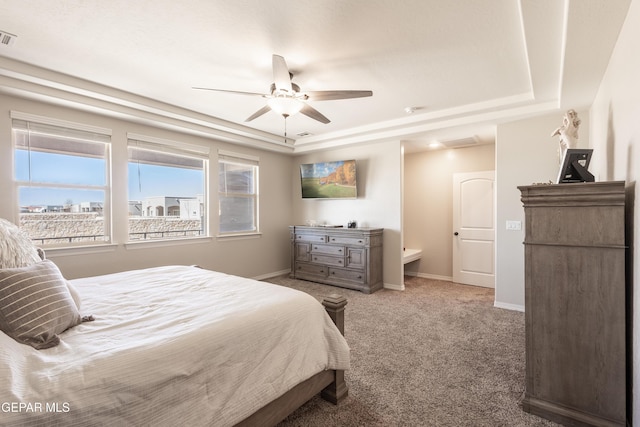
{"x":575,"y":303}
{"x":346,"y":257}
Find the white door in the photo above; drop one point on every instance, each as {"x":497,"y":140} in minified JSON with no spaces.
{"x":474,"y":229}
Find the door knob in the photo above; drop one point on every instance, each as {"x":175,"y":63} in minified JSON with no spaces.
{"x":455,"y":234}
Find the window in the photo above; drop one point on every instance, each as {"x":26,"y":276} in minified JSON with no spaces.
{"x":237,"y":193}
{"x":62,"y":178}
{"x":167,"y":197}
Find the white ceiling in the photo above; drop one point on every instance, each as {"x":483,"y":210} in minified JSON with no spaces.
{"x":464,"y":65}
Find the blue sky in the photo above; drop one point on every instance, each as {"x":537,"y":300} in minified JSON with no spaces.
{"x":57,"y":168}
{"x":318,"y":170}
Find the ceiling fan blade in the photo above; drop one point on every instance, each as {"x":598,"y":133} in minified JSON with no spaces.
{"x":281,"y":76}
{"x":328,"y":95}
{"x":309,"y":111}
{"x":258,"y":113}
{"x":230,"y":91}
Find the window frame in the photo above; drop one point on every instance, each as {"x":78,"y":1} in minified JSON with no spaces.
{"x":171,"y":148}
{"x":72,"y":130}
{"x":243,"y":159}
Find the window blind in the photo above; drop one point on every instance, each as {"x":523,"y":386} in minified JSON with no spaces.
{"x":154,"y":151}
{"x":58,"y":139}
{"x":237,"y":158}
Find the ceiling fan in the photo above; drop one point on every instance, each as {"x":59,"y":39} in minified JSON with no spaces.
{"x":286,"y":99}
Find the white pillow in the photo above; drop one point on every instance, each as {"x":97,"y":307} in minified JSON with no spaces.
{"x":16,"y":248}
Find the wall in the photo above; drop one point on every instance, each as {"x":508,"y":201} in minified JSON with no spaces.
{"x":268,"y":254}
{"x":378,"y":170}
{"x":428,"y":199}
{"x":615,"y":130}
{"x":525,"y":154}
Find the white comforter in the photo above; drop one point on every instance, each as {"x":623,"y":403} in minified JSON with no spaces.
{"x":170,"y":346}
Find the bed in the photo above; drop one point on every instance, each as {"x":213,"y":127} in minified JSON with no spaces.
{"x":175,"y":345}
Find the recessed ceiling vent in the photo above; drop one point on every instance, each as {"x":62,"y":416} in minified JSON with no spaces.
{"x":7,"y":39}
{"x":458,"y":143}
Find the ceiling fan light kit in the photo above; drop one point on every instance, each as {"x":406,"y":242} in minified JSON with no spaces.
{"x":286,"y":98}
{"x":285,"y":106}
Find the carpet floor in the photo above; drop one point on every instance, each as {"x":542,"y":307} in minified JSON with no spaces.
{"x":436,"y":354}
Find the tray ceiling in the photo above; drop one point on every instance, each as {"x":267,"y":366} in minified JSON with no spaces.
{"x":461,"y":65}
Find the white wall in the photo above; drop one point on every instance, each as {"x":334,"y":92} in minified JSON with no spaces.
{"x":255,"y":257}
{"x":378,"y":172}
{"x":615,"y":131}
{"x":428,"y":200}
{"x":525,"y":155}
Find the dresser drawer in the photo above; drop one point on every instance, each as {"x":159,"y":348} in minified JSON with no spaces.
{"x":328,"y":249}
{"x":318,"y":270}
{"x":351,"y":275}
{"x":328,"y":260}
{"x":313,"y":238}
{"x":347,"y":240}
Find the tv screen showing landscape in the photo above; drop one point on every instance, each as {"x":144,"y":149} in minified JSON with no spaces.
{"x":329,"y":180}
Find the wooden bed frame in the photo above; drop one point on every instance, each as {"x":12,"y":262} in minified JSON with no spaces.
{"x":330,"y":383}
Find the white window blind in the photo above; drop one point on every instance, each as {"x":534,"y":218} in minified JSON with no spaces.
{"x":155,"y":151}
{"x":48,"y":138}
{"x":237,"y":193}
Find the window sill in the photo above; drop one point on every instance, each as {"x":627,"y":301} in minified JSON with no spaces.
{"x":239,"y":236}
{"x":143,"y":244}
{"x":79,"y":250}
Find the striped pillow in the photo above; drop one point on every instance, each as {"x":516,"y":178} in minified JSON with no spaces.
{"x":35,"y":304}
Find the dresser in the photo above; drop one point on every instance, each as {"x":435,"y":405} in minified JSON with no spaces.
{"x":346,"y":257}
{"x":575,"y":303}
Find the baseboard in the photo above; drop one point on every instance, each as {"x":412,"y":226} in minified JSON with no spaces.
{"x":272,"y":275}
{"x":429,"y":276}
{"x":507,"y":306}
{"x":393,"y":287}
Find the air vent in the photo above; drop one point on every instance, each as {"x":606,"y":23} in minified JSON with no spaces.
{"x":7,"y":39}
{"x":457,"y":143}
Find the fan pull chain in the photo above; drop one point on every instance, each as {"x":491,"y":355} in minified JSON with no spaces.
{"x":285,"y":127}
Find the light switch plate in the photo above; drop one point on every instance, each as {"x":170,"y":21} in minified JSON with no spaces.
{"x":514,"y":225}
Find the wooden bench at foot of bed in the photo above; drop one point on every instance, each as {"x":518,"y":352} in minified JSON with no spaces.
{"x":330,"y":384}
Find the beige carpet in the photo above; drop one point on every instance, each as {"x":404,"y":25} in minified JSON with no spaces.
{"x":436,"y":354}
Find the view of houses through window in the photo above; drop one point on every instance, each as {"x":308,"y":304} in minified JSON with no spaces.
{"x":166,"y":189}
{"x":62,"y":179}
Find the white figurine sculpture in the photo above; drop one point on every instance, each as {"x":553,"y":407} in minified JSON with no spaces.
{"x":568,"y":132}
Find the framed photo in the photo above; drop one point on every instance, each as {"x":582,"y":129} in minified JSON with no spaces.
{"x":574,"y":166}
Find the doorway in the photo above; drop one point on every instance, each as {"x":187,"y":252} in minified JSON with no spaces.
{"x":427,"y":204}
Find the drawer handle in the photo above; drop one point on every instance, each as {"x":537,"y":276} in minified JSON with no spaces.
{"x":359,"y":241}
{"x":339,"y":250}
{"x":339,"y":261}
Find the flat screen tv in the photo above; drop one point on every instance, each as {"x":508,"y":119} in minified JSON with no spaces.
{"x":574,"y":166}
{"x":329,"y":180}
